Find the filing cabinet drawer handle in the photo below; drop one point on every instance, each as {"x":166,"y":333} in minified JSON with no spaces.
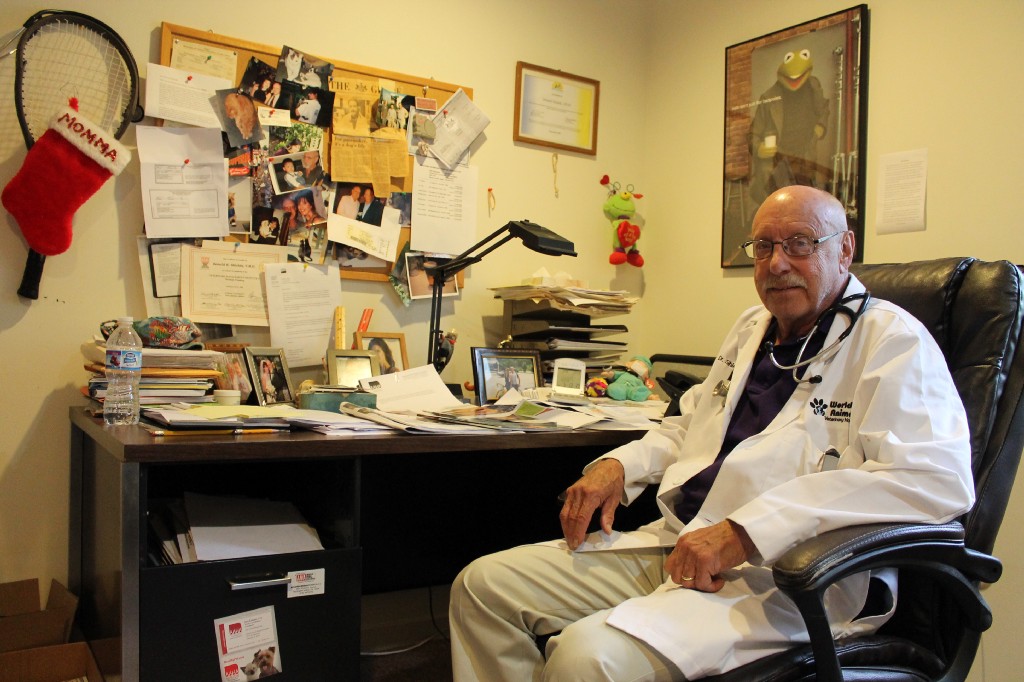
{"x":254,"y":582}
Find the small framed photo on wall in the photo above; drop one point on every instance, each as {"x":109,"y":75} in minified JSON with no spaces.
{"x":268,"y":372}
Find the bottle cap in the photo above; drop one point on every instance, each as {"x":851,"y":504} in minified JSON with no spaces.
{"x":125,"y":320}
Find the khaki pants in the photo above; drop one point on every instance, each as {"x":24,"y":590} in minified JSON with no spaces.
{"x":499,"y":603}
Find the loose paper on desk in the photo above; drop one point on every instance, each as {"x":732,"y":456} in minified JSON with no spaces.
{"x":182,"y":96}
{"x":184,"y":182}
{"x":416,"y":389}
{"x":301,"y":299}
{"x":444,"y":211}
{"x":237,"y":527}
{"x":220,"y":282}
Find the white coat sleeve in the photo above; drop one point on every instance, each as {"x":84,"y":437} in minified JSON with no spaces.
{"x":908,"y":460}
{"x":644,"y":461}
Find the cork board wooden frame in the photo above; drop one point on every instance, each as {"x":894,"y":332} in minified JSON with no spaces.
{"x":403,"y":83}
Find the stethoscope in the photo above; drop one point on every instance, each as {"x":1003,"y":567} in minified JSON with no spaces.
{"x":841,"y":306}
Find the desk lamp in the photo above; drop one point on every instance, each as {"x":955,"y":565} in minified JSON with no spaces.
{"x":534,"y":237}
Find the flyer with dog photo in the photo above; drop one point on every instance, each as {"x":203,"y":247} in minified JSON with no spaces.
{"x":247,"y":645}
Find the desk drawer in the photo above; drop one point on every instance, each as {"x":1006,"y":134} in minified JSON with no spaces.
{"x":318,"y":635}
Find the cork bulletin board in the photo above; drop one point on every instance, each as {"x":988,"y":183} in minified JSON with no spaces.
{"x":225,"y":47}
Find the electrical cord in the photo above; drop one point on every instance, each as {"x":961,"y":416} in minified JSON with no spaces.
{"x":433,"y":621}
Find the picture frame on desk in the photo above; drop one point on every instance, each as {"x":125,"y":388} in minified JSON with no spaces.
{"x":389,"y":348}
{"x":346,"y":367}
{"x":268,"y":372}
{"x":234,"y":369}
{"x":497,"y":370}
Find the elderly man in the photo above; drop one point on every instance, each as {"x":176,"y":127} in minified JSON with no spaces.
{"x":795,"y":432}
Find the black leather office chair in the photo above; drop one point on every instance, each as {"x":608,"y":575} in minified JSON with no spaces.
{"x":974,"y":310}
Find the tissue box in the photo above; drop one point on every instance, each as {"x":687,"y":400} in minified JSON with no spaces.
{"x":24,"y":625}
{"x":51,"y":664}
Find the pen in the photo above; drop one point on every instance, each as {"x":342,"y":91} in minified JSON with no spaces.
{"x":215,"y":432}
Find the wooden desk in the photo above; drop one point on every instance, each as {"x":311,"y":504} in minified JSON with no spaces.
{"x":393,"y":511}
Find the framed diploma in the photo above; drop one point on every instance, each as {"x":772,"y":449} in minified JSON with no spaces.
{"x":556,"y":109}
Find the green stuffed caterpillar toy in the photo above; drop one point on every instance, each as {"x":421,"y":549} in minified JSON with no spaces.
{"x":620,"y":209}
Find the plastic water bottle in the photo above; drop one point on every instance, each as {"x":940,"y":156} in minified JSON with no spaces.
{"x":124,"y":371}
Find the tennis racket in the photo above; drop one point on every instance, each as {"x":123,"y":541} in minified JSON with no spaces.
{"x":61,"y":55}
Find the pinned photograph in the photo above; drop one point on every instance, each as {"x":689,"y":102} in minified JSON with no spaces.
{"x":298,"y":137}
{"x":238,"y":118}
{"x":421,"y":282}
{"x":313,"y":106}
{"x":258,"y":81}
{"x":287,"y":173}
{"x":392,"y":110}
{"x":300,"y":68}
{"x":266,"y":227}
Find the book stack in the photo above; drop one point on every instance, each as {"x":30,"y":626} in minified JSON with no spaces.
{"x":168,"y":375}
{"x":156,"y":390}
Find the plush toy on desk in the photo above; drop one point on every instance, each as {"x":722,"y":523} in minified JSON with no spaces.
{"x":631,"y":383}
{"x":620,"y":208}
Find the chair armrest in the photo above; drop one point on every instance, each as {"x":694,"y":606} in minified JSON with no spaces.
{"x":806,"y":571}
{"x":820,"y":561}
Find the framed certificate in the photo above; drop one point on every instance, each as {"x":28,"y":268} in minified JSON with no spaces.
{"x":556,"y":109}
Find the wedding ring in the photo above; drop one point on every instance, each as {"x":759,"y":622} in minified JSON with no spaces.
{"x":685,"y":579}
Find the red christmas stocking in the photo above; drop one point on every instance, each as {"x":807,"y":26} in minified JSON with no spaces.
{"x":65,"y":167}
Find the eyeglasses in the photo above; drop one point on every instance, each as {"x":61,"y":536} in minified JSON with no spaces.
{"x":799,"y":245}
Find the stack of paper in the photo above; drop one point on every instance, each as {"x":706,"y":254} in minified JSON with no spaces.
{"x":237,"y":527}
{"x":593,"y":302}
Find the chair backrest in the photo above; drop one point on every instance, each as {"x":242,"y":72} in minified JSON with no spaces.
{"x":974,"y":310}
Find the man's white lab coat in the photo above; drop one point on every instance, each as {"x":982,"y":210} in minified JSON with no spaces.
{"x":885,"y":402}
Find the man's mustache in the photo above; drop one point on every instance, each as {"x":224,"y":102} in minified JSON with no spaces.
{"x":785,"y":282}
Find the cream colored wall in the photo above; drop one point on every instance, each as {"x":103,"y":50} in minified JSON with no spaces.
{"x":942,"y":76}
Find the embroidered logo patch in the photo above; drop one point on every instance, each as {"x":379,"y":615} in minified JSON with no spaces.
{"x":833,"y":411}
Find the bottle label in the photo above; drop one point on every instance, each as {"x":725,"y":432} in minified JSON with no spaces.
{"x":124,"y":359}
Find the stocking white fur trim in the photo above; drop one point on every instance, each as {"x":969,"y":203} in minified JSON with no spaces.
{"x":91,"y":140}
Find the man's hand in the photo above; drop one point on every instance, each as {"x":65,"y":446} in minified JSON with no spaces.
{"x":602,"y":487}
{"x":700,"y":557}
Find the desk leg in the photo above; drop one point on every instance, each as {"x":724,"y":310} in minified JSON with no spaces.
{"x":75,"y":450}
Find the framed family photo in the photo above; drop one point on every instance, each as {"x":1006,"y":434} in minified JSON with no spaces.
{"x":795,"y":114}
{"x":388,"y":347}
{"x":268,"y":372}
{"x":234,"y":369}
{"x":347,"y":367}
{"x":498,"y":370}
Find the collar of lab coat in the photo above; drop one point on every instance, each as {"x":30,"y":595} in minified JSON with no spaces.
{"x":749,"y":341}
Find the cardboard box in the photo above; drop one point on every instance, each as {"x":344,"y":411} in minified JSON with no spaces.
{"x":51,"y":664}
{"x":23,"y":625}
